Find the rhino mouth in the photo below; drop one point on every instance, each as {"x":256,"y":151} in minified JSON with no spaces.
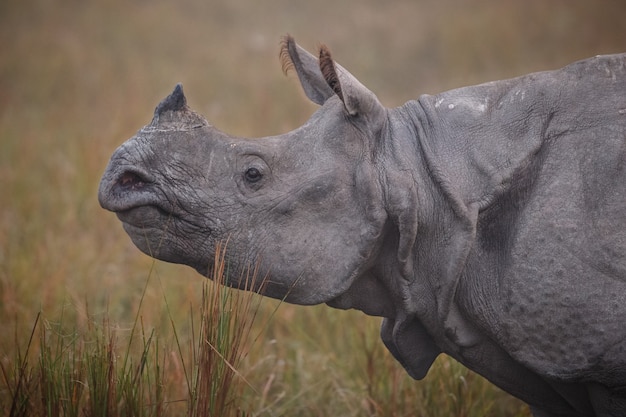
{"x":144,"y":217}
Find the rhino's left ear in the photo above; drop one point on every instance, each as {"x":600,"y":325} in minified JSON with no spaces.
{"x":357,"y":99}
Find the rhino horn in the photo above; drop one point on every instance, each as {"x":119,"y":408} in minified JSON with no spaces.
{"x":174,"y":102}
{"x":173,"y":113}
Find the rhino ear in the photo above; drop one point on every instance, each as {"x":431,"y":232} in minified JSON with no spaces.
{"x":357,"y":99}
{"x":307,"y":68}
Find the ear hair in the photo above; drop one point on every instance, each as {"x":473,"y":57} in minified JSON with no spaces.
{"x":327,"y":66}
{"x":307,"y":69}
{"x":286,"y":62}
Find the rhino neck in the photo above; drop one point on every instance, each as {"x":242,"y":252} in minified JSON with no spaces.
{"x":435,"y":233}
{"x":424,"y":246}
{"x":410,"y":204}
{"x":379,"y":288}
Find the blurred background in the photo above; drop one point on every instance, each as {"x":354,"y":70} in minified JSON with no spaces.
{"x":77,"y":78}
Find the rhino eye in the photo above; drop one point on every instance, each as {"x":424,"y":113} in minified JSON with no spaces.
{"x":253,"y":175}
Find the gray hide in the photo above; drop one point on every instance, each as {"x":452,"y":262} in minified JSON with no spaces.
{"x":487,"y":222}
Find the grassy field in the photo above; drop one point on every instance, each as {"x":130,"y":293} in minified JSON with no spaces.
{"x":90,"y":326}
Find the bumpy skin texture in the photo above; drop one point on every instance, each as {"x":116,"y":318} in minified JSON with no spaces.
{"x":487,"y":222}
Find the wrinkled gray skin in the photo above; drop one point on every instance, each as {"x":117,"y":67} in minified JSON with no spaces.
{"x":487,"y":222}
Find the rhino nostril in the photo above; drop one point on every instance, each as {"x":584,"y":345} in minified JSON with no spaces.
{"x":131,"y":180}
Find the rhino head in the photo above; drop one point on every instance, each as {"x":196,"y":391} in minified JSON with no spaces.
{"x":306,"y":208}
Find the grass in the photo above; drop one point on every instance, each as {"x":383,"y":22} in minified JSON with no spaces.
{"x":226,"y":318}
{"x":93,"y":372}
{"x":216,"y":372}
{"x":91,"y":326}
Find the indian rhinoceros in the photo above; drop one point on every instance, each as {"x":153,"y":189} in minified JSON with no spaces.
{"x":487,"y":222}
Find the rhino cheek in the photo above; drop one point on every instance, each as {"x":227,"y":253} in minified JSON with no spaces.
{"x":309,"y":264}
{"x":315,"y":243}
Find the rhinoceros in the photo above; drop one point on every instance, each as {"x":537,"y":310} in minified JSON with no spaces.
{"x":487,"y":223}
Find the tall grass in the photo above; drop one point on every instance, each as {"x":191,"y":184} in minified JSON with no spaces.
{"x":226,"y":319}
{"x":91,"y":373}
